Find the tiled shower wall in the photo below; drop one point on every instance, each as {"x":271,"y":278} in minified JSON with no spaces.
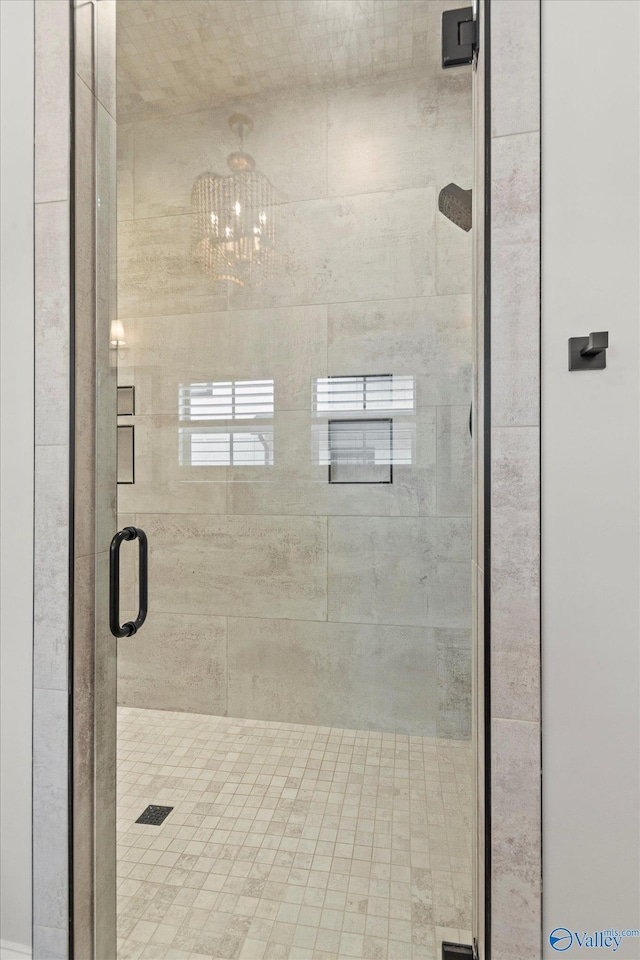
{"x":52,"y":507}
{"x":274,"y":594}
{"x":516,"y":866}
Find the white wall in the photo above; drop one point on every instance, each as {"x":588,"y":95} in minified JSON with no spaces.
{"x":16,"y":477}
{"x":590,"y":447}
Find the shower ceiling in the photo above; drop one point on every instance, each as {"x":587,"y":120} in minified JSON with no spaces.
{"x":176,"y":53}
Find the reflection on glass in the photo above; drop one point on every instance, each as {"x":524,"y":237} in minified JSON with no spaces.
{"x":357,"y":394}
{"x":360,"y":451}
{"x":226,"y":400}
{"x":363,"y":442}
{"x":202,"y":446}
{"x":217,"y":447}
{"x":236,"y":218}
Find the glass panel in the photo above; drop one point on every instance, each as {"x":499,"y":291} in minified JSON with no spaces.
{"x":295,"y":315}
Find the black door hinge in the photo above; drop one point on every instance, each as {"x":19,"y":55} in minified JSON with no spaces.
{"x":459,"y":37}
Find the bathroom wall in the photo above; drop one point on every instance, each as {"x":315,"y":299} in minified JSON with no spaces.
{"x":16,"y":465}
{"x":591,"y":469}
{"x":274,"y":594}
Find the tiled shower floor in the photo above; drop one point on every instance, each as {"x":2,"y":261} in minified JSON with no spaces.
{"x":290,"y":841}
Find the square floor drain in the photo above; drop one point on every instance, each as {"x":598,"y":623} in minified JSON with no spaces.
{"x":154,"y":815}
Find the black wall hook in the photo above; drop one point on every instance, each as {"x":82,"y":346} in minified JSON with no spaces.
{"x":589,"y":353}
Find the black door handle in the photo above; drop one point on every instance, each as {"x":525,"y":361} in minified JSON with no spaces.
{"x":128,"y":629}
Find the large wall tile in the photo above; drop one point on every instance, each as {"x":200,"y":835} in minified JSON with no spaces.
{"x":50,"y":832}
{"x":105,"y":72}
{"x":259,"y":566}
{"x":52,"y":328}
{"x":83,"y":42}
{"x":297,"y":483}
{"x":379,"y":569}
{"x":286,"y":345}
{"x":515,"y":295}
{"x":51,"y":563}
{"x":380,"y":678}
{"x":288,"y":143}
{"x":455,"y":662}
{"x":156,"y":272}
{"x":125,"y":171}
{"x":390,"y":136}
{"x":428,"y":338}
{"x":50,"y":943}
{"x":176,"y":662}
{"x":399,"y":570}
{"x":52,"y":108}
{"x":515,"y":55}
{"x":453,"y":257}
{"x":515,"y":580}
{"x":515,"y":190}
{"x":373,"y":246}
{"x":173,"y":496}
{"x":454,"y":462}
{"x":450,"y":594}
{"x":162,"y":484}
{"x":170,"y":153}
{"x":515,"y":849}
{"x":453,"y":539}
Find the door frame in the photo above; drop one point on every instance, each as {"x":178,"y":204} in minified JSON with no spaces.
{"x":65,"y":50}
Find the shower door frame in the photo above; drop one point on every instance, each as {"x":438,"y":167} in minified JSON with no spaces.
{"x":99,"y":910}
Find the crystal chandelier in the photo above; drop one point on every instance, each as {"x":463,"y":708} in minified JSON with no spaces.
{"x":236,"y":218}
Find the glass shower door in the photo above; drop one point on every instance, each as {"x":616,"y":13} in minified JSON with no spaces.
{"x":293,"y":343}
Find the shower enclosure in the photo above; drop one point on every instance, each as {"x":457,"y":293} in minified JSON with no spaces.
{"x":290,"y":342}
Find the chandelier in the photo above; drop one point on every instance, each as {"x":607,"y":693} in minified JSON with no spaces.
{"x":236,"y":218}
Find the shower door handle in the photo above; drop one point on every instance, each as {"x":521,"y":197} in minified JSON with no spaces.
{"x":128,"y":629}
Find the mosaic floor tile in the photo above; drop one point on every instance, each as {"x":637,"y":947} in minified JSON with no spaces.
{"x":289,"y":841}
